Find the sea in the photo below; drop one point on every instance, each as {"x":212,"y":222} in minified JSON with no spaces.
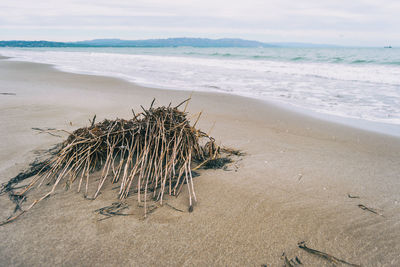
{"x":355,"y":86}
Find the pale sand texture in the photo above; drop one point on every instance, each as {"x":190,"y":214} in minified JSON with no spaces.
{"x":246,"y":217}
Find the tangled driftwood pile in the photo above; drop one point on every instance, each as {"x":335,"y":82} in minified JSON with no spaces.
{"x":152,"y":154}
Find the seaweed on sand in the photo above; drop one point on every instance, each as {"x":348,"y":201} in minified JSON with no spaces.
{"x":34,"y":168}
{"x":324,"y":255}
{"x":217,"y":163}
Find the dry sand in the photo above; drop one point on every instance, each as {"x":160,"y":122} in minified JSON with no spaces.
{"x":291,"y":186}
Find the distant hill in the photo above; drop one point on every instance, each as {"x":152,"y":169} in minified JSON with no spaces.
{"x":174,"y":42}
{"x":170,"y":42}
{"x":36,"y":44}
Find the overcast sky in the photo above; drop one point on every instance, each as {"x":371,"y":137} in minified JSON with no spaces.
{"x":344,"y":22}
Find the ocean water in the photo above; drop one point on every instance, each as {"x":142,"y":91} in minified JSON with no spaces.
{"x":352,"y":83}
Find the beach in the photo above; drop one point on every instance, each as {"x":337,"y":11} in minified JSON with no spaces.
{"x":291,"y":185}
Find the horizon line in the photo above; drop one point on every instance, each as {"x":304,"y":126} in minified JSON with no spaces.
{"x":272,"y":43}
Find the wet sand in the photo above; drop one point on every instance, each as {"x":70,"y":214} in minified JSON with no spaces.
{"x":291,"y":185}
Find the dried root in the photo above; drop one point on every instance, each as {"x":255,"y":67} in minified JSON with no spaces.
{"x":151,"y":154}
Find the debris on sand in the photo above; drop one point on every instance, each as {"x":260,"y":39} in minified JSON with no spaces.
{"x":292,"y":262}
{"x":351,"y":196}
{"x":324,"y":255}
{"x":47,"y":130}
{"x":152,"y":154}
{"x":361,"y":206}
{"x":35,"y":168}
{"x":217,"y":163}
{"x":113,"y":210}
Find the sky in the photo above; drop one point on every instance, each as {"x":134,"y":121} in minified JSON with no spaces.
{"x":341,"y":22}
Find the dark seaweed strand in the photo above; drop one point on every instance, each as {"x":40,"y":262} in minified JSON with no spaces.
{"x":34,"y":168}
{"x":324,"y":255}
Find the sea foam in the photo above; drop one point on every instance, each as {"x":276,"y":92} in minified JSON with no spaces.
{"x":323,"y":84}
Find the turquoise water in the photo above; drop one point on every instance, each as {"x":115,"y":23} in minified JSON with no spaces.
{"x":380,"y":56}
{"x":355,"y":83}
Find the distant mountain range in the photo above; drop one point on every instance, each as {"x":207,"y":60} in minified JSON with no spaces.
{"x":173,"y":42}
{"x":170,"y":42}
{"x":35,"y":44}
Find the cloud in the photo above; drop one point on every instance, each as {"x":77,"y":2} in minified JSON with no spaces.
{"x":310,"y":20}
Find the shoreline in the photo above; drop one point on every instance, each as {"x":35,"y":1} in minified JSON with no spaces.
{"x":352,"y":122}
{"x":388,"y":129}
{"x":291,"y":185}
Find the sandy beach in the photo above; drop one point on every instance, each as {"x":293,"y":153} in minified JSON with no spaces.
{"x":291,"y":185}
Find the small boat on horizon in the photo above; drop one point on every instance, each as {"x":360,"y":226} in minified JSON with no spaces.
{"x":389,"y":46}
